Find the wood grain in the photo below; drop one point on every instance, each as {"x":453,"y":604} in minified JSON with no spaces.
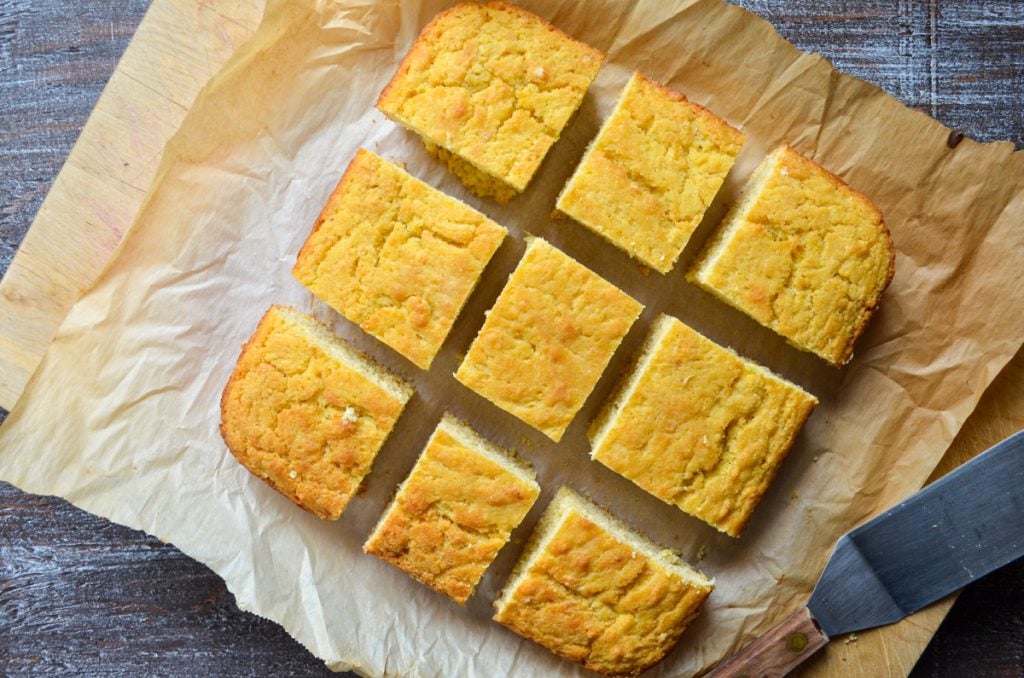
{"x":92,"y":597}
{"x":98,"y":191}
{"x":778,"y":652}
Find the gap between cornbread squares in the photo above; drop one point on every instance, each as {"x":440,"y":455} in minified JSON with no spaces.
{"x":803,"y":254}
{"x":651,"y":173}
{"x":591,"y":589}
{"x":455,"y":511}
{"x":489,"y":88}
{"x":306,"y":412}
{"x":547,"y":339}
{"x":699,"y":427}
{"x":395,"y":256}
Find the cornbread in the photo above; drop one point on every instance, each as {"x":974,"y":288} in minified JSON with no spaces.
{"x":455,"y":511}
{"x":489,"y":88}
{"x":591,"y":589}
{"x":699,"y":427}
{"x":395,"y":256}
{"x":306,"y":412}
{"x":651,"y":173}
{"x":803,"y":254}
{"x":547,"y":339}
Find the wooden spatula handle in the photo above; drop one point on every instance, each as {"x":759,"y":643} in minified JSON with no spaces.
{"x":777,"y":652}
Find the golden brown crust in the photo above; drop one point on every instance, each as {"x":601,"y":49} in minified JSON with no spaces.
{"x":454,"y":512}
{"x":594,"y":592}
{"x":872,"y":306}
{"x":699,"y":427}
{"x":547,"y":339}
{"x":651,"y":173}
{"x":802,"y":253}
{"x":492,"y":86}
{"x":301,"y":416}
{"x":396,"y":256}
{"x":306,"y":250}
{"x":701,"y":110}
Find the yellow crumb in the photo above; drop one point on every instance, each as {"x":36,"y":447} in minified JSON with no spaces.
{"x":455,"y":511}
{"x":651,"y":173}
{"x":489,"y":88}
{"x":803,"y":254}
{"x":547,"y":339}
{"x":395,"y":256}
{"x":699,"y":427}
{"x":284,"y":412}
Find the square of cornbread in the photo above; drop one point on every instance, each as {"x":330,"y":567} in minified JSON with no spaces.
{"x":455,"y":511}
{"x":803,"y":254}
{"x":651,"y":173}
{"x":547,"y":339}
{"x":699,"y":427}
{"x":306,"y":412}
{"x":396,"y":256}
{"x":589,"y":588}
{"x":489,"y":88}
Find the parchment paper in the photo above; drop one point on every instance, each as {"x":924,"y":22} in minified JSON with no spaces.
{"x":121,"y":417}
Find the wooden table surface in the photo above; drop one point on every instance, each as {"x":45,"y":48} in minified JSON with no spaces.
{"x":79,"y":594}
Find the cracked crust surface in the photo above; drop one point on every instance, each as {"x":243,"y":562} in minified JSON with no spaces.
{"x":589,"y":589}
{"x":651,"y":173}
{"x":699,"y":427}
{"x":803,"y":254}
{"x":455,"y":511}
{"x":306,"y":413}
{"x":547,"y":339}
{"x":493,"y":85}
{"x":396,"y":256}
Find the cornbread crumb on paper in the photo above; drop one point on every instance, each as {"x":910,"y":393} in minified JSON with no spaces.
{"x":283,"y":411}
{"x":589,"y":588}
{"x":455,"y":511}
{"x":489,"y":88}
{"x":699,"y":427}
{"x":652,"y":172}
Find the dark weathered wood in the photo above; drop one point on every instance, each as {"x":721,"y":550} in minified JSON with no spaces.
{"x":984,"y":632}
{"x":960,"y":61}
{"x":79,"y":594}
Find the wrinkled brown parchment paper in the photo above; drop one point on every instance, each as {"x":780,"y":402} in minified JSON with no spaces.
{"x":121,"y":417}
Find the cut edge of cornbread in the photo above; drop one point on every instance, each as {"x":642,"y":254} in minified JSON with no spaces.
{"x":716,"y":247}
{"x":476,"y":179}
{"x":507,"y":459}
{"x":336,"y":347}
{"x":320,"y":336}
{"x":298,"y":268}
{"x":663,"y":267}
{"x":608,"y":414}
{"x":467,"y":436}
{"x":624,"y":391}
{"x":566,"y":501}
{"x":561,"y":213}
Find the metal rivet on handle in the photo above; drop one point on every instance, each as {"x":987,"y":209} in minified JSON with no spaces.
{"x":797,"y":643}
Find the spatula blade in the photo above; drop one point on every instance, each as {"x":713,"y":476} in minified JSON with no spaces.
{"x":957,"y":529}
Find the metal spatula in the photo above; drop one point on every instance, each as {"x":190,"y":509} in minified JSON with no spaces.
{"x":957,"y":529}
